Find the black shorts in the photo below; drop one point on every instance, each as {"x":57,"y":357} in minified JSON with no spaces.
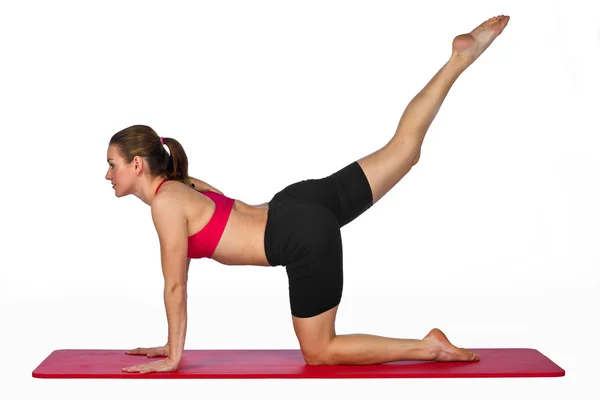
{"x":303,"y":234}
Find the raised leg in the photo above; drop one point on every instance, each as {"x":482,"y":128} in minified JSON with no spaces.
{"x":320,"y":345}
{"x":319,"y":342}
{"x":387,"y":166}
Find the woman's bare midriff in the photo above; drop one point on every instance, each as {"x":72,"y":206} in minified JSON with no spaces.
{"x":242,"y":242}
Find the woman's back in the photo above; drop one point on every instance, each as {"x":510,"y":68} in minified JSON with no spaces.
{"x":242,"y":240}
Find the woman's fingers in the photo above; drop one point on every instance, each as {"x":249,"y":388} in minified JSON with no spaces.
{"x":139,"y":350}
{"x":155,"y":366}
{"x":148,"y":351}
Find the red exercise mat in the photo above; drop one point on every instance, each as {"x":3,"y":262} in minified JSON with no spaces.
{"x":253,"y":364}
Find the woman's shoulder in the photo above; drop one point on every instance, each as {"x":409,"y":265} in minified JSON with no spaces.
{"x":173,"y":191}
{"x":201,"y":186}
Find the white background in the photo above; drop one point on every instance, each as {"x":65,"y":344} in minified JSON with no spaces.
{"x":492,"y":237}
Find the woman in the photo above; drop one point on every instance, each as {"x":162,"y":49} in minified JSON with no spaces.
{"x":298,"y":228}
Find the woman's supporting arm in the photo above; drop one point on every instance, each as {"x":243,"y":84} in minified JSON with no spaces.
{"x":175,"y":297}
{"x":171,"y":226}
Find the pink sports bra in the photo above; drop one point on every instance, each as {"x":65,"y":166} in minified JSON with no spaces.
{"x":203,"y":243}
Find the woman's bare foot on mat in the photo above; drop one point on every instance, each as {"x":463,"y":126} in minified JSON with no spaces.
{"x":445,"y":350}
{"x":469,"y":46}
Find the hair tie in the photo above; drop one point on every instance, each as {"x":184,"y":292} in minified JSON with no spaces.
{"x":161,"y":140}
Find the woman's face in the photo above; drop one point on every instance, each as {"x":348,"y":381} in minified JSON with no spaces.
{"x":120,"y":174}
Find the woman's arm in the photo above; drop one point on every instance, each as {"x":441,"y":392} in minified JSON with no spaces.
{"x":170,"y":223}
{"x":202,"y":186}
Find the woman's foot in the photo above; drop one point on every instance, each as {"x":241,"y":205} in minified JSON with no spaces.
{"x":445,"y":350}
{"x":469,"y":46}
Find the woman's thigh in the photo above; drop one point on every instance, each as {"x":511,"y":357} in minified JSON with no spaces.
{"x":346,"y":193}
{"x":316,"y":275}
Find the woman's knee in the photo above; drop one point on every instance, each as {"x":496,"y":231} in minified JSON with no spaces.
{"x":317,"y":356}
{"x":315,"y":335}
{"x":315,"y":351}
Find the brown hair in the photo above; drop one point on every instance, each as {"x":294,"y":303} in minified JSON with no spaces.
{"x":141,"y":140}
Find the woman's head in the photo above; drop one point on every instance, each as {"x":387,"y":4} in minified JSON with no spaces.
{"x":138,"y":151}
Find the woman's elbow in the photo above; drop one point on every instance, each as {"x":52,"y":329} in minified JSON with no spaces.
{"x":175,"y":288}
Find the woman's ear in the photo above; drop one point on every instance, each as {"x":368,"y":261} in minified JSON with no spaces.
{"x":137,"y":163}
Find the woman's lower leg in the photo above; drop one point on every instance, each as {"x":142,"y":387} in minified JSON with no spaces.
{"x":385,"y":167}
{"x":364,"y":349}
{"x":361,"y":349}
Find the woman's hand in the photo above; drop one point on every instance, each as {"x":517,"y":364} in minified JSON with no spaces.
{"x":165,"y":365}
{"x":162,"y":351}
